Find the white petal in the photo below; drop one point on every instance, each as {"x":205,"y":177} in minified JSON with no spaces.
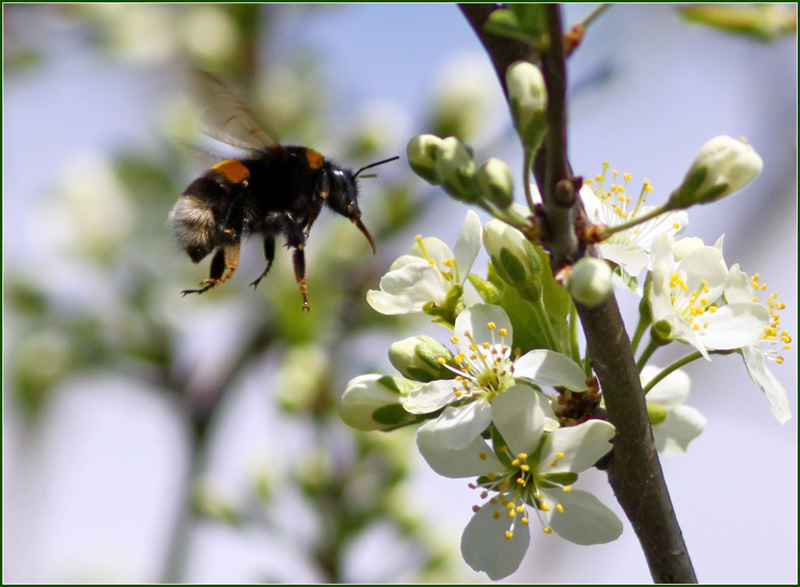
{"x":682,"y":425}
{"x":738,"y":288}
{"x":468,"y":245}
{"x":549,"y":368}
{"x":632,"y":260}
{"x":520,"y":414}
{"x":474,"y":320}
{"x":585,"y":520}
{"x":733,"y":326}
{"x":767,"y":382}
{"x":458,"y":426}
{"x":407,"y":289}
{"x":485,"y":547}
{"x":704,"y":265}
{"x":473,"y":460}
{"x":582,"y":446}
{"x":671,"y":391}
{"x":430,"y":397}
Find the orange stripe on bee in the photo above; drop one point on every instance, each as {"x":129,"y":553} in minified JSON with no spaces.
{"x":233,"y":170}
{"x":315,"y":160}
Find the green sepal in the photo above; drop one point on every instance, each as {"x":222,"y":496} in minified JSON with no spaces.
{"x":556,"y":480}
{"x":657,"y":414}
{"x":660,"y":333}
{"x":485,"y":289}
{"x":396,"y":416}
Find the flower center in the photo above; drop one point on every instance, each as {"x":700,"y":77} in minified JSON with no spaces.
{"x":517,"y":487}
{"x":487,"y":369}
{"x":692,"y":306}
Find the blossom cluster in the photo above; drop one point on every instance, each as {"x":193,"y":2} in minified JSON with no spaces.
{"x":506,"y":398}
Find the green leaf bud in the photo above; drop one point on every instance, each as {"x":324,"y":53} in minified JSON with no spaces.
{"x":366,"y":394}
{"x":514,"y":258}
{"x":527,"y":95}
{"x":455,"y":169}
{"x":421,"y":152}
{"x":496,"y":182}
{"x":723,"y":166}
{"x":589,"y":282}
{"x":421,"y":358}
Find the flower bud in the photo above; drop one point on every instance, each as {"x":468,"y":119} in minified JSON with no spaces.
{"x":421,"y":152}
{"x":455,"y":169}
{"x":527,"y":94}
{"x":367,"y":393}
{"x":496,"y":183}
{"x":722,"y":166}
{"x":421,"y":358}
{"x":589,"y":282}
{"x":514,"y":258}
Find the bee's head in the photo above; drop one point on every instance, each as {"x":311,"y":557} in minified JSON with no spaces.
{"x":343,"y":196}
{"x":193,"y":226}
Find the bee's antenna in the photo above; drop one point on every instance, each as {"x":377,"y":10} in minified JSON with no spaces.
{"x":371,"y":165}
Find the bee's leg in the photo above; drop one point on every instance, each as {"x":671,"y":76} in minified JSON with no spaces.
{"x":269,"y":255}
{"x":296,"y":239}
{"x":322,"y":191}
{"x":224,"y":263}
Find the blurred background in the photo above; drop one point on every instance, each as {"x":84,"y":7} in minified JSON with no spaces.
{"x":153,"y":438}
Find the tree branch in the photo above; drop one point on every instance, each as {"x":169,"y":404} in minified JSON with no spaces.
{"x":634,"y":470}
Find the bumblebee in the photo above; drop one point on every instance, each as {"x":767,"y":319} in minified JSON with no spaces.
{"x":275,"y":190}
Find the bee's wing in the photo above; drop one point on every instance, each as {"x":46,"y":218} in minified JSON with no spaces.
{"x":226,"y":117}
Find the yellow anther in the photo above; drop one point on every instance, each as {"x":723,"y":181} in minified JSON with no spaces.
{"x":512,"y":514}
{"x":560,"y":455}
{"x":553,"y":463}
{"x":502,"y":332}
{"x":449,"y":262}
{"x":491,"y":325}
{"x":520,"y":508}
{"x":524,"y":521}
{"x":567,"y":489}
{"x":544,"y":507}
{"x":509,"y":535}
{"x":496,"y":515}
{"x":441,"y":360}
{"x":491,"y":476}
{"x":482,"y":456}
{"x":454,"y":339}
{"x":547,"y":530}
{"x":560,"y":508}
